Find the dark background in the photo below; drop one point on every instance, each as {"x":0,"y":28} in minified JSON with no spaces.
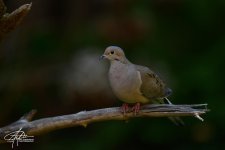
{"x":50,"y":63}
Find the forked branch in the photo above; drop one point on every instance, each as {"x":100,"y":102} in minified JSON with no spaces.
{"x":84,"y":118}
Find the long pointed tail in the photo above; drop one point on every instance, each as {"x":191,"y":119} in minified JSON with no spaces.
{"x":176,"y":120}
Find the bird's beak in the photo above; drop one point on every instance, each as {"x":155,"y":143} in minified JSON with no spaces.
{"x":102,"y":57}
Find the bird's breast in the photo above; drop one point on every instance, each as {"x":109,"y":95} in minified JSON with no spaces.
{"x":126,"y":82}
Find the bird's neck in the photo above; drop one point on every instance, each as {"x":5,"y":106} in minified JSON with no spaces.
{"x":123,"y":61}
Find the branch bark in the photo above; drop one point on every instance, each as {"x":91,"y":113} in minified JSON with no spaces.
{"x":2,"y":8}
{"x":8,"y":22}
{"x":84,"y":118}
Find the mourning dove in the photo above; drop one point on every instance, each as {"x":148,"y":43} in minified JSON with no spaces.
{"x":134,"y":84}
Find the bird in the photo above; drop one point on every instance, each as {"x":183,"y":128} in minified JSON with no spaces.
{"x":135,"y":84}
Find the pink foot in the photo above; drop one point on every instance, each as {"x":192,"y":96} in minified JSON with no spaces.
{"x":136,"y":108}
{"x":124,"y":108}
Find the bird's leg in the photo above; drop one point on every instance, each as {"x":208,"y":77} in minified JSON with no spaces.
{"x":136,"y":108}
{"x":124,"y":108}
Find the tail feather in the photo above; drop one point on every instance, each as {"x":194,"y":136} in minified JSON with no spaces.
{"x":176,"y":120}
{"x":167,"y":92}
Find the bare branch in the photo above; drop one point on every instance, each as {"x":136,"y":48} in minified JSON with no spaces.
{"x":2,"y":8}
{"x":84,"y":118}
{"x":29,"y":116}
{"x":8,"y":22}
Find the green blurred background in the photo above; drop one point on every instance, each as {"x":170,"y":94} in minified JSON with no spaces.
{"x":50,"y":63}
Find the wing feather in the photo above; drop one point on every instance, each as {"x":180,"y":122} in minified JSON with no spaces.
{"x":152,"y":86}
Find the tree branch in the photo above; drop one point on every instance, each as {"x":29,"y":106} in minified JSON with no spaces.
{"x":2,"y":8}
{"x":8,"y":22}
{"x":84,"y":118}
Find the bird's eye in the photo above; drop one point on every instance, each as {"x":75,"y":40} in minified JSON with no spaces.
{"x":112,"y":52}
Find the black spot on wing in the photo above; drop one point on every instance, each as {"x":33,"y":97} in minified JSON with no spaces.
{"x":154,"y":76}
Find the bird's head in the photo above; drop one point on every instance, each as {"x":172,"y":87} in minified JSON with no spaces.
{"x":114,"y":53}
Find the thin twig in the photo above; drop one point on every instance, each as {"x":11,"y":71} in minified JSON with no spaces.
{"x":84,"y":118}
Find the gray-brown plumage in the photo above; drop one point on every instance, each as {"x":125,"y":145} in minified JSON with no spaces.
{"x":133,"y":83}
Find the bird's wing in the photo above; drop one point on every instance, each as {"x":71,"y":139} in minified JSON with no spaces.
{"x":155,"y":89}
{"x":152,"y":86}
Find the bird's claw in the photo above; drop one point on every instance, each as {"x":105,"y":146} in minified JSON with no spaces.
{"x":136,"y":108}
{"x":124,"y":108}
